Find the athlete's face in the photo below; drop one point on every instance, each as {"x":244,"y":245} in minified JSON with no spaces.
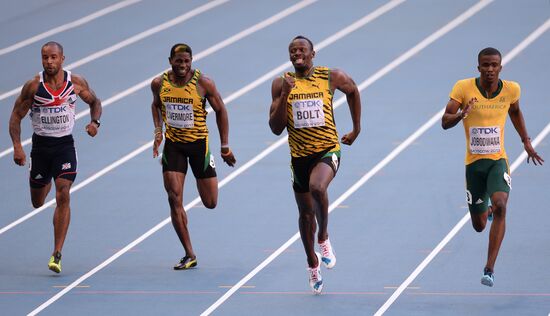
{"x":301,"y":54}
{"x":181,"y":64}
{"x":489,"y":67}
{"x":52,"y":59}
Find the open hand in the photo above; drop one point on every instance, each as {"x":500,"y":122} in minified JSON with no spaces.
{"x":228,"y":157}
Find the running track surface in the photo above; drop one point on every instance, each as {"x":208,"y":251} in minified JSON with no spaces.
{"x":381,"y":232}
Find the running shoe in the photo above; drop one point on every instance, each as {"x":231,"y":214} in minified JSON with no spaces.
{"x":315,"y":279}
{"x":328,"y":257}
{"x":186,"y":263}
{"x":488,"y":278}
{"x":55,"y":262}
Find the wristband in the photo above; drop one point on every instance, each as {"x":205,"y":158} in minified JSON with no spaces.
{"x":225,"y":146}
{"x":227,"y":153}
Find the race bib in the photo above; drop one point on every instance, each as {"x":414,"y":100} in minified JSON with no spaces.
{"x":56,"y":118}
{"x":485,"y":140}
{"x":308,"y":113}
{"x":180,"y":115}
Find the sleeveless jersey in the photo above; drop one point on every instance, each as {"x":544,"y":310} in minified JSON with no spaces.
{"x":53,"y":112}
{"x":484,"y":126}
{"x":311,"y":128}
{"x":183,"y":110}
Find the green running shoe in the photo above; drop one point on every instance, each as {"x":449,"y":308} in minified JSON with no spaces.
{"x":186,"y":263}
{"x":55,"y":262}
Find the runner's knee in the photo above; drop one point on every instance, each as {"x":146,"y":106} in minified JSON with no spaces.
{"x":209,"y":203}
{"x":499,"y":208}
{"x":174,"y":198}
{"x":307,"y":216}
{"x":36,"y":203}
{"x":317,"y":190}
{"x":478,"y":227}
{"x":478,"y":223}
{"x":62,"y":196}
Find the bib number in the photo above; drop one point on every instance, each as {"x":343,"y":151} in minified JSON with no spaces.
{"x":55,"y":118}
{"x":485,"y":140}
{"x":180,"y":115}
{"x":308,"y":113}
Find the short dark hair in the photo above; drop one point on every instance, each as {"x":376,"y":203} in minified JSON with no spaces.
{"x":304,"y":38}
{"x":181,"y":48}
{"x":489,"y":51}
{"x":56,"y":44}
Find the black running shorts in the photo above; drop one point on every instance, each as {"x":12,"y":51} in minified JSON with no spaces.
{"x":301,"y":167}
{"x":175,"y":156}
{"x":52,"y":157}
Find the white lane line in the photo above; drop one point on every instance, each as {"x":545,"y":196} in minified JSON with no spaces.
{"x":145,"y":83}
{"x":513,"y":53}
{"x":163,"y":26}
{"x":324,"y":43}
{"x":222,"y":183}
{"x":68,"y":26}
{"x":411,"y":52}
{"x":78,"y":186}
{"x":145,"y":147}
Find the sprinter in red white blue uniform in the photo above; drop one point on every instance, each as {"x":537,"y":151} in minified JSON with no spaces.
{"x":50,"y":97}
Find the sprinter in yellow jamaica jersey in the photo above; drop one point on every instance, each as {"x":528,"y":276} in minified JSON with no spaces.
{"x":179,"y":103}
{"x":302,"y":103}
{"x":482,"y":105}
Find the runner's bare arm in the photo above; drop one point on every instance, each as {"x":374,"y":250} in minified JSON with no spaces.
{"x":83,"y":90}
{"x":20,"y":109}
{"x":222,"y":119}
{"x":155,"y":111}
{"x":343,"y":82}
{"x":453,"y":115}
{"x":516,"y":116}
{"x":280,"y":89}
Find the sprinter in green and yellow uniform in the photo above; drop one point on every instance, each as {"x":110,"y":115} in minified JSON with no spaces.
{"x":179,"y":103}
{"x":482,"y":104}
{"x":302,"y":103}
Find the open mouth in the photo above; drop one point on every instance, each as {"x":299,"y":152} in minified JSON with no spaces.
{"x":298,"y":61}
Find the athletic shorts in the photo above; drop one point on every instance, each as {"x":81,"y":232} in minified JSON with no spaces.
{"x":176,"y":154}
{"x":52,"y":157}
{"x":301,"y":167}
{"x":483,"y":178}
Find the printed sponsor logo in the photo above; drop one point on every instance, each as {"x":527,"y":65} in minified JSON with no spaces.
{"x":212,"y":164}
{"x":468,"y":197}
{"x":508,"y":180}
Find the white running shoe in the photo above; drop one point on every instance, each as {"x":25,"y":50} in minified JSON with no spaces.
{"x":315,"y":279}
{"x":328,"y":257}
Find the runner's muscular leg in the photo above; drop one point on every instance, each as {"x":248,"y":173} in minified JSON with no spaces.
{"x":38,"y":195}
{"x":62,"y":213}
{"x":498,"y":227}
{"x":208,"y":191}
{"x":307,"y":225}
{"x":319,"y":179}
{"x":479,"y":221}
{"x":173,"y":183}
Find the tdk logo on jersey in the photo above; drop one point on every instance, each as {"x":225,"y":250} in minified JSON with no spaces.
{"x":179,"y":107}
{"x":54,"y":109}
{"x":485,"y":130}
{"x":308,"y":103}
